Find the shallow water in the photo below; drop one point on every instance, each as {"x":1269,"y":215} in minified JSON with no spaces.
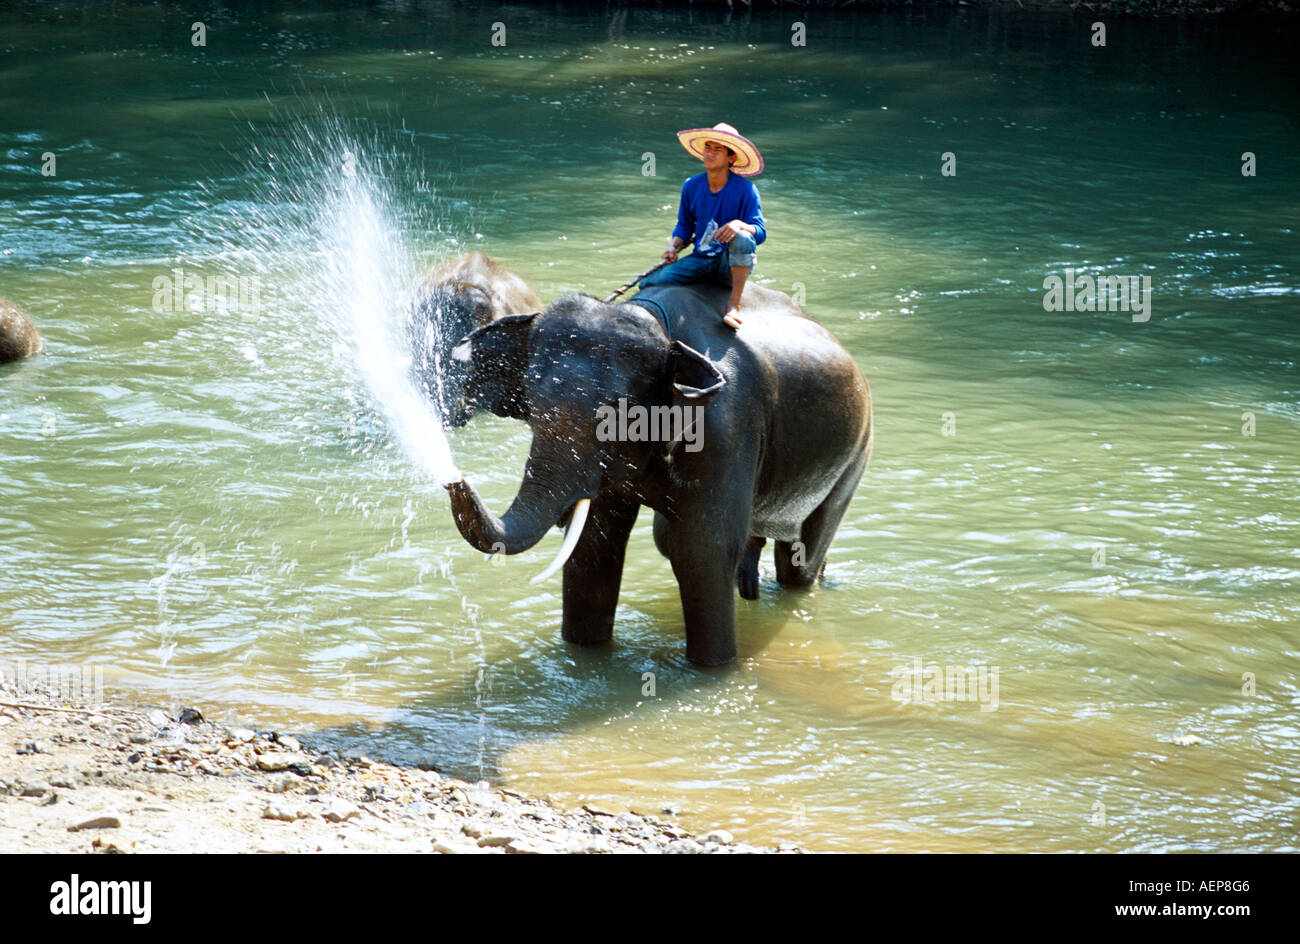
{"x":225,"y":508}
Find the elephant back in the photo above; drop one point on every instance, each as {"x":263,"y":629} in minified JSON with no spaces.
{"x":18,"y":335}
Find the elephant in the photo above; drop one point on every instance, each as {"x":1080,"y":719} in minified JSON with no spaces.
{"x":781,"y":424}
{"x":456,"y":298}
{"x":18,"y":336}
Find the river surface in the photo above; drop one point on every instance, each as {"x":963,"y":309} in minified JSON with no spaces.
{"x":1096,"y":512}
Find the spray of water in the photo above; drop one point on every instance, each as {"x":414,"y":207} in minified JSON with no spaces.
{"x":366,"y":267}
{"x":325,"y":234}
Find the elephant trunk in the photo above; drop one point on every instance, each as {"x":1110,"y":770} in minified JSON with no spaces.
{"x":523,"y":525}
{"x":548,"y":493}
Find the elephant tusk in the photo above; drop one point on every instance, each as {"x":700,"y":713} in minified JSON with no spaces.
{"x":571,"y":536}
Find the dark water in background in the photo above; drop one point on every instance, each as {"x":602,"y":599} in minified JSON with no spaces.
{"x":218,"y":509}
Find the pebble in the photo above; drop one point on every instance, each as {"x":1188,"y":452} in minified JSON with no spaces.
{"x":35,"y":788}
{"x":241,"y":735}
{"x":170,"y":735}
{"x":451,"y":847}
{"x":139,"y":739}
{"x":99,"y":822}
{"x":190,"y":715}
{"x":340,"y":811}
{"x":289,"y":743}
{"x":527,"y":847}
{"x":499,"y":839}
{"x":720,"y":836}
{"x":157,"y":718}
{"x":274,"y":762}
{"x":684,"y":847}
{"x":278,"y":812}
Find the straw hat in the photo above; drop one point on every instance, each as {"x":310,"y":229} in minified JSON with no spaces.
{"x":749,"y":163}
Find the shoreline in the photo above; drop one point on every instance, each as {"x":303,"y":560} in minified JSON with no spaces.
{"x":114,"y":778}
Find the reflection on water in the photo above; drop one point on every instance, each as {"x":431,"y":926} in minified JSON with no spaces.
{"x":243,"y":511}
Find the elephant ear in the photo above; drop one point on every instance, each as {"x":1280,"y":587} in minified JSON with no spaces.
{"x":694,"y":376}
{"x":496,"y":356}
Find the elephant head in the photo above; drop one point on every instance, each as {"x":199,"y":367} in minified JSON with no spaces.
{"x":458,"y":297}
{"x":557,"y":370}
{"x":441,"y":317}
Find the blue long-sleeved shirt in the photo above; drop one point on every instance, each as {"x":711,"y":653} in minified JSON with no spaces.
{"x":702,"y":212}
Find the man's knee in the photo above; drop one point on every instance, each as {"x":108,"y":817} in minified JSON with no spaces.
{"x":741,"y":250}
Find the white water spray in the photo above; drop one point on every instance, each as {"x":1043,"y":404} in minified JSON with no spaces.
{"x":367,"y":273}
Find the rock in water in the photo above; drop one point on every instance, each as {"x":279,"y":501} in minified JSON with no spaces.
{"x":18,"y":336}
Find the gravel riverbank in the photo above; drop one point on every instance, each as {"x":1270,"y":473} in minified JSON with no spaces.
{"x":113,"y":778}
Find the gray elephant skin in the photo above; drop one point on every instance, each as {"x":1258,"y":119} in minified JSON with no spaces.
{"x":18,"y":336}
{"x":787,"y":432}
{"x":456,"y":298}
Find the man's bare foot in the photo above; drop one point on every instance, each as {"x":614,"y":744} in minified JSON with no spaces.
{"x":732,"y":318}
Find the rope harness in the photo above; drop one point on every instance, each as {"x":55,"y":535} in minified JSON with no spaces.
{"x":627,"y":285}
{"x":655,"y":308}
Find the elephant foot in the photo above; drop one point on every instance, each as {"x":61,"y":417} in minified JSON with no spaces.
{"x":713,"y":652}
{"x":587,"y":635}
{"x":792,"y":571}
{"x":747,"y":573}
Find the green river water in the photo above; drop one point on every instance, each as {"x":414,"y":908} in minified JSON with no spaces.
{"x":222,"y":506}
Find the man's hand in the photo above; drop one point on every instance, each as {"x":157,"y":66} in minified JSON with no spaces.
{"x":729,"y":231}
{"x":670,"y":255}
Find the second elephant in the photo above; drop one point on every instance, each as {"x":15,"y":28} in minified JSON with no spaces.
{"x":18,"y":336}
{"x":458,"y":297}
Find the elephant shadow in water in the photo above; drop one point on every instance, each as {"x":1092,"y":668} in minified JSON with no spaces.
{"x":468,"y":725}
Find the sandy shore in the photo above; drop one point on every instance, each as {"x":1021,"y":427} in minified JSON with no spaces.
{"x":116,"y":778}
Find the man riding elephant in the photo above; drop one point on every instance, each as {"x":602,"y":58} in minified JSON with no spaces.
{"x":720,"y":210}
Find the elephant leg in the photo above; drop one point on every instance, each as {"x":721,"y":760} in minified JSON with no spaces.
{"x":593,"y":574}
{"x":705,"y":564}
{"x":662,"y":539}
{"x":801,"y":563}
{"x":747,"y":575}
